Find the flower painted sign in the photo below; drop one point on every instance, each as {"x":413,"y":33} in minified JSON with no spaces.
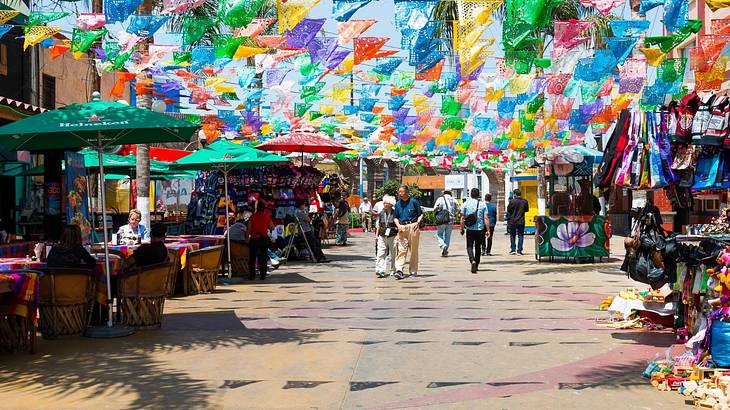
{"x":572,"y":237}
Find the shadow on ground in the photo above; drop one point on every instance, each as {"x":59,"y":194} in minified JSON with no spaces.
{"x":96,"y":367}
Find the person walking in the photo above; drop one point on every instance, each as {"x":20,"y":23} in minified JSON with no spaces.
{"x":445,"y":212}
{"x":492,"y":214}
{"x":474,"y":221}
{"x":386,"y":233}
{"x":342,"y":221}
{"x":516,"y":211}
{"x":305,"y":222}
{"x":259,"y":225}
{"x":407,"y":217}
{"x":365,"y":210}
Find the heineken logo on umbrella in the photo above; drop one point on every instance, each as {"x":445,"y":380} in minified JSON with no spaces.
{"x":94,"y":120}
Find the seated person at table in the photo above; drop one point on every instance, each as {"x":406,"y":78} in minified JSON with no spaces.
{"x":134,"y":230}
{"x":69,"y":253}
{"x":237,"y":230}
{"x":149,"y":253}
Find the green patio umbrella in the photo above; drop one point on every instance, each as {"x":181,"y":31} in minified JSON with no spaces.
{"x":97,"y":124}
{"x":226,"y":156}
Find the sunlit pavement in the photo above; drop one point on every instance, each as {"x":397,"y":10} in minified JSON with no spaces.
{"x":516,"y":335}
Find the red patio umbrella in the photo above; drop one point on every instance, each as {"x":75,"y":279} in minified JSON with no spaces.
{"x":303,"y":140}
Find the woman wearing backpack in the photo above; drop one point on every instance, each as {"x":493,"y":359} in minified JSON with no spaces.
{"x":474,"y":222}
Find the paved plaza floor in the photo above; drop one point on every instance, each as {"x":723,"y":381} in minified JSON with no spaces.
{"x":516,"y":335}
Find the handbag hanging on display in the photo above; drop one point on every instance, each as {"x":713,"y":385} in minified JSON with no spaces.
{"x":701,"y":121}
{"x":705,"y":175}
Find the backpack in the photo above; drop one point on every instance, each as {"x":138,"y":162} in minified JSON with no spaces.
{"x":700,"y":123}
{"x":471,"y":219}
{"x":443,"y":216}
{"x":681,"y":117}
{"x":717,"y":128}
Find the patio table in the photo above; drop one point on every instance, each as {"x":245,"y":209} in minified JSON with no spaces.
{"x":18,"y":305}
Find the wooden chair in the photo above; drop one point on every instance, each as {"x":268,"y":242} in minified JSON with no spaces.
{"x":174,"y":258}
{"x":142,"y":295}
{"x":202,"y":270}
{"x":240,"y":253}
{"x":65,"y":299}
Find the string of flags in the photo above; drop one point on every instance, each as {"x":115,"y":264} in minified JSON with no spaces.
{"x":457,"y":90}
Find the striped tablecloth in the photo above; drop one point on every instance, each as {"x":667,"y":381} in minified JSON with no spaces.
{"x":182,"y":249}
{"x":205,"y":241}
{"x":24,"y":287}
{"x":115,"y":263}
{"x":16,"y":249}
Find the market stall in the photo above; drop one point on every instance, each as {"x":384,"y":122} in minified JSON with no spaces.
{"x":574,"y":229}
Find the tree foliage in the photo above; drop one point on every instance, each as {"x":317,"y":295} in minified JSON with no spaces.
{"x":390,"y":187}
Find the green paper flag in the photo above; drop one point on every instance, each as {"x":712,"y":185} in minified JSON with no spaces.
{"x":453,"y":123}
{"x":179,"y":57}
{"x":449,"y":106}
{"x":672,"y":70}
{"x":36,"y":18}
{"x":225,"y":45}
{"x":195,"y":27}
{"x":301,"y":109}
{"x":82,"y":41}
{"x":239,"y":13}
{"x":668,"y":43}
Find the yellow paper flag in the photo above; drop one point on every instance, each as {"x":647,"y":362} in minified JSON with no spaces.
{"x":654,"y":56}
{"x":291,"y":12}
{"x":246,"y":52}
{"x":36,"y":34}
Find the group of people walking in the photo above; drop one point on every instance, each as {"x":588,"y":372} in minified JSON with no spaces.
{"x":398,"y":230}
{"x":398,"y":225}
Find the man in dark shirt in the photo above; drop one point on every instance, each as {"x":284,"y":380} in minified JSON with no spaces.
{"x":149,"y":253}
{"x":516,"y":211}
{"x":407,"y":217}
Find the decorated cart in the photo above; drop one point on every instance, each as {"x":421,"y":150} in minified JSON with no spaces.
{"x":574,"y":228}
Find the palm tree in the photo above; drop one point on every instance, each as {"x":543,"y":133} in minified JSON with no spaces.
{"x":447,"y":11}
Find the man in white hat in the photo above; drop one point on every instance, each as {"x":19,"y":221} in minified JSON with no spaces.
{"x":386,"y":233}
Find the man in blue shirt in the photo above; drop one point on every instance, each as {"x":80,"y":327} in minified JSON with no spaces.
{"x":492,"y":214}
{"x":475,"y":231}
{"x":407,"y":217}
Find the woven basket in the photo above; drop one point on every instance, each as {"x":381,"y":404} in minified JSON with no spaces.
{"x":66,"y":296}
{"x":142,"y":295}
{"x":64,"y":320}
{"x":14,"y":334}
{"x":174,"y":258}
{"x":240,"y":253}
{"x":202,"y":270}
{"x":142,"y":312}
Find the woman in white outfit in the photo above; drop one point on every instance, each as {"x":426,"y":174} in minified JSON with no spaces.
{"x":387,"y":231}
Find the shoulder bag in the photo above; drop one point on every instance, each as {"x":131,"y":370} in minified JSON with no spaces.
{"x":443,"y":216}
{"x":471,"y":219}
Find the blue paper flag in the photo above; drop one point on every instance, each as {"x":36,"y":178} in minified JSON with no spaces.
{"x":146,"y":25}
{"x":647,"y":5}
{"x":675,"y":15}
{"x":343,"y":10}
{"x":118,"y":10}
{"x":201,"y":57}
{"x":628,"y":28}
{"x":386,"y":66}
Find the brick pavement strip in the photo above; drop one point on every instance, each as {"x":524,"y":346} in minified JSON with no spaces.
{"x":517,"y":334}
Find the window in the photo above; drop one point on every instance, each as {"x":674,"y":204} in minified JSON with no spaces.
{"x":3,"y":59}
{"x":49,"y":92}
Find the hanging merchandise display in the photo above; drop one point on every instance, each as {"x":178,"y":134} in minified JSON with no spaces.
{"x":278,"y":187}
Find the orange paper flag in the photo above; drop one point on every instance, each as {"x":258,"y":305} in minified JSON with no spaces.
{"x":366,"y":48}
{"x":122,"y":79}
{"x":57,"y":50}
